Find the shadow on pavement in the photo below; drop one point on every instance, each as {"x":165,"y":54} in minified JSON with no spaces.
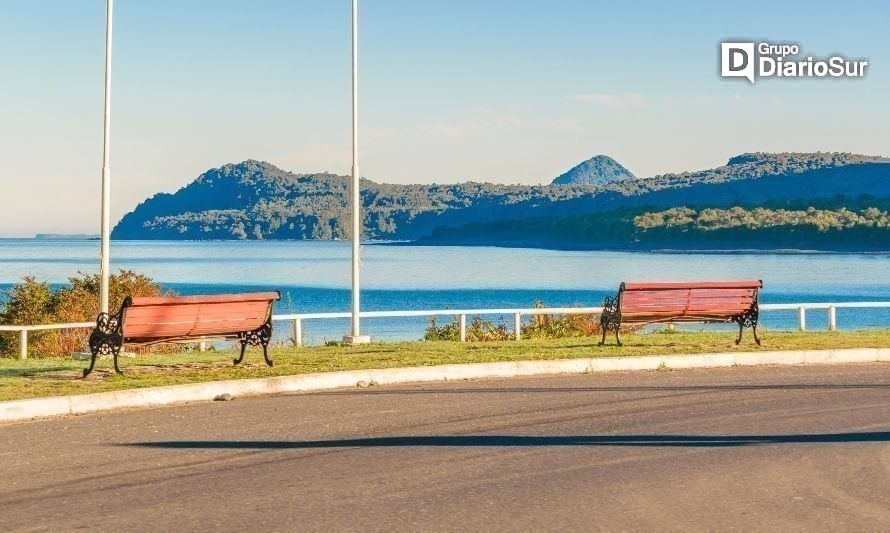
{"x":695,"y":441}
{"x":616,"y":388}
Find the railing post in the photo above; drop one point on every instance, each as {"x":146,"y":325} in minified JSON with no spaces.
{"x":202,"y":346}
{"x":801,"y":319}
{"x":832,"y":318}
{"x":23,"y":344}
{"x":517,"y":326}
{"x":297,"y":332}
{"x":462,"y":321}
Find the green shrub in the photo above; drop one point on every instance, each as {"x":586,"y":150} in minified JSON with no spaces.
{"x":30,"y":302}
{"x":478,"y":330}
{"x":561,"y":326}
{"x":448,"y":332}
{"x":33,"y":302}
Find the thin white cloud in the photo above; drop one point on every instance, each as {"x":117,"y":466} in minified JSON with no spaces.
{"x":489,"y":123}
{"x":614,"y":101}
{"x":710,"y":100}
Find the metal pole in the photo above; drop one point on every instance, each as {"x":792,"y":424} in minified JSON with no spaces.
{"x":355,"y":336}
{"x":832,"y":318}
{"x":356,"y":193}
{"x":801,"y":319}
{"x":517,"y":326}
{"x":23,"y":344}
{"x":105,"y":253}
{"x":463,"y":328}
{"x":297,"y":332}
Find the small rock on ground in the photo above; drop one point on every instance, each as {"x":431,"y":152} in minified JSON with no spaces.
{"x":224,"y":397}
{"x":363,"y":384}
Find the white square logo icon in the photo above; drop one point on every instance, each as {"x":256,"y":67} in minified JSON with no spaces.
{"x":737,"y":60}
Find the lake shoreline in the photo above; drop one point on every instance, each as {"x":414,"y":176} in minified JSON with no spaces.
{"x":567,"y":247}
{"x":647,"y":250}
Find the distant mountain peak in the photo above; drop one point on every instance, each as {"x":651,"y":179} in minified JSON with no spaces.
{"x":598,"y":170}
{"x":248,"y":170}
{"x":250,"y":165}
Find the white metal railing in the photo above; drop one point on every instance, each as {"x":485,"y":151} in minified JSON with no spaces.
{"x":461,"y":314}
{"x":23,"y":332}
{"x":296,"y":319}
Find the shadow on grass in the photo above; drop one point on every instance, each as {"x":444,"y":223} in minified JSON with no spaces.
{"x":470,"y":441}
{"x":34,"y":371}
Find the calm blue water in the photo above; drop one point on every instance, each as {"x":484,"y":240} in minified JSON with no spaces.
{"x":315,"y":276}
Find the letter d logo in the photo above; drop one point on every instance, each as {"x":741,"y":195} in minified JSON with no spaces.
{"x":737,"y":60}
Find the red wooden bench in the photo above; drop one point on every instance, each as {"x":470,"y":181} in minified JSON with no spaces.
{"x":678,"y":302}
{"x":246,"y":318}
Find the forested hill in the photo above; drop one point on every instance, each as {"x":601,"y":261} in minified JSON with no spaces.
{"x":256,"y":200}
{"x":863,"y":229}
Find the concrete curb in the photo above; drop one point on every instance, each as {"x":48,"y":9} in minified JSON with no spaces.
{"x":198,"y":392}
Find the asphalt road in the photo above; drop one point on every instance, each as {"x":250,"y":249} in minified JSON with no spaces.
{"x":769,"y":448}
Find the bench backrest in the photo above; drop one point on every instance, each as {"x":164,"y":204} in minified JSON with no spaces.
{"x":157,"y":318}
{"x":687,"y":301}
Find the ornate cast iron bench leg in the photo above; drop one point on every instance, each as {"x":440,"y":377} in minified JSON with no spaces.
{"x":237,"y":361}
{"x":266,"y":353}
{"x":258,"y":337}
{"x":107,"y":338}
{"x":749,"y":320}
{"x":610,"y":319}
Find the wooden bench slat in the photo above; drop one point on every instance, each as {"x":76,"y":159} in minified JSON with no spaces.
{"x":662,"y":308}
{"x":668,"y":312}
{"x":628,"y":316}
{"x":687,"y":305}
{"x":689,"y":301}
{"x":639,"y":286}
{"x":714,"y":304}
{"x":705,"y":293}
{"x":690,"y":319}
{"x":710,"y":295}
{"x":682,"y":310}
{"x":205,"y":298}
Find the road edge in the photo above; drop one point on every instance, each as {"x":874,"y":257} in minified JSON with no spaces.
{"x":19,"y":410}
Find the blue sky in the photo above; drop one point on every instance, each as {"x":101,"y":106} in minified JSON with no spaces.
{"x":507,"y":91}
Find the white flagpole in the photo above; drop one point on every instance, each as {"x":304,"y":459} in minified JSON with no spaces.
{"x":355,"y":336}
{"x":105,"y":254}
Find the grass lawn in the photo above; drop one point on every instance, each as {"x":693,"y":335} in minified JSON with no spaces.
{"x":61,"y":376}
